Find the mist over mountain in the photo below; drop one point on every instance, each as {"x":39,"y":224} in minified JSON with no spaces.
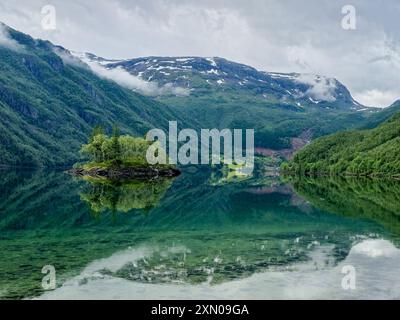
{"x":49,"y":103}
{"x":197,"y":74}
{"x":286,"y":109}
{"x":50,"y":99}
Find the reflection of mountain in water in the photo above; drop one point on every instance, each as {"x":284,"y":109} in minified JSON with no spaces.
{"x":378,"y":200}
{"x":198,"y":232}
{"x":251,"y":227}
{"x":215,"y":259}
{"x":318,"y":278}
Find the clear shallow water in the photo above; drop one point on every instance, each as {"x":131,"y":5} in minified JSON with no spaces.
{"x":200,"y":236}
{"x":376,"y":263}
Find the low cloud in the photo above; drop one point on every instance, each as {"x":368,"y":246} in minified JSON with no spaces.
{"x":68,"y":58}
{"x":127,"y":80}
{"x":320,"y":88}
{"x":7,"y":41}
{"x":282,"y":36}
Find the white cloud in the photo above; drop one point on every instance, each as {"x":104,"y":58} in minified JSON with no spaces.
{"x":67,"y":58}
{"x":377,"y":98}
{"x":321,"y":88}
{"x":7,"y":41}
{"x":124,"y":79}
{"x":127,"y":80}
{"x":271,"y":35}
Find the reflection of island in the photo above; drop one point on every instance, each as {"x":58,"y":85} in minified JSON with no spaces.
{"x":103,"y":195}
{"x":197,"y":233}
{"x":378,"y":200}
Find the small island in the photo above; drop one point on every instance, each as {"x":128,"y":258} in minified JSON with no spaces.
{"x":119,"y":157}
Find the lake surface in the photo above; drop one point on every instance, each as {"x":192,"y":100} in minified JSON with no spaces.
{"x":204,"y":235}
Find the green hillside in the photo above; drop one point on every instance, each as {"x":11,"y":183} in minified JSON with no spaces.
{"x":364,"y":152}
{"x":48,"y":105}
{"x":51,"y":100}
{"x":376,"y":118}
{"x":226,"y":94}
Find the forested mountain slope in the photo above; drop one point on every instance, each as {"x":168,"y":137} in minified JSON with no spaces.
{"x":363,"y":152}
{"x":49,"y":102}
{"x":219,"y":93}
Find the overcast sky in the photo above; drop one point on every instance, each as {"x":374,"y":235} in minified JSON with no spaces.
{"x":271,"y":35}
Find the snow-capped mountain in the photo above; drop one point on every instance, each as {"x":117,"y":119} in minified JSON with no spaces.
{"x":196,"y":75}
{"x":283,"y":108}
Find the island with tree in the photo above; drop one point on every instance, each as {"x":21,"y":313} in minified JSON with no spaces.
{"x":119,"y":157}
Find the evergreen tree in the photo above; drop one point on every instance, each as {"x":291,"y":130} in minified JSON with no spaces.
{"x":115,"y":145}
{"x":97,"y":130}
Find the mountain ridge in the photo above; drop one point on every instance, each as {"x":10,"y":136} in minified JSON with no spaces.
{"x":50,"y":100}
{"x":281,"y":107}
{"x":48,"y":104}
{"x":288,"y":87}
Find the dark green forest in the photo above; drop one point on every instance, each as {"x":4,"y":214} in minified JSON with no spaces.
{"x":370,"y":152}
{"x":374,"y":199}
{"x":49,"y":105}
{"x":50,"y":102}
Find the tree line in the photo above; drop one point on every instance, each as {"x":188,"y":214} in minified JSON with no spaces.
{"x":116,"y":149}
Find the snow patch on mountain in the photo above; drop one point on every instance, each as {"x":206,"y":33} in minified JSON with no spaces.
{"x":275,"y":75}
{"x":213,"y":71}
{"x":127,"y":80}
{"x":184,"y":59}
{"x":181,"y":75}
{"x":212,"y":62}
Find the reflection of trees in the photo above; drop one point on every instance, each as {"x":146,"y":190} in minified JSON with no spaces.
{"x":378,"y":200}
{"x":231,"y":233}
{"x":103,"y":195}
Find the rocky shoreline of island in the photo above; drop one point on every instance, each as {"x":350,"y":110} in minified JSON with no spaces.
{"x":127,"y":173}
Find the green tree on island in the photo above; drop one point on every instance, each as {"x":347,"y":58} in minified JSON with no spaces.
{"x":117,"y":150}
{"x":120,"y":157}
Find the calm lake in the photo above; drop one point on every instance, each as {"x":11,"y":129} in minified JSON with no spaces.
{"x":203,"y":235}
